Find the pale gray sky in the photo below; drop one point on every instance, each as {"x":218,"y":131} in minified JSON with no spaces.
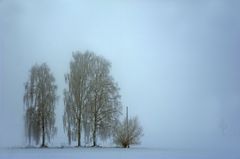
{"x":176,"y":62}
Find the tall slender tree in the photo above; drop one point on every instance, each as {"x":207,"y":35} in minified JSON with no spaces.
{"x":105,"y":106}
{"x":76,"y":94}
{"x":40,"y":99}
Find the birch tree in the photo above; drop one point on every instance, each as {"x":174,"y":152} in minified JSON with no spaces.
{"x":105,"y":106}
{"x":76,"y":94}
{"x":40,"y":99}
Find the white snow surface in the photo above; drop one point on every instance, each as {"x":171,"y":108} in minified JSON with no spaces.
{"x":113,"y":153}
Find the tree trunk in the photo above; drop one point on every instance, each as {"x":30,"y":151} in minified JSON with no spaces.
{"x":43,"y":134}
{"x":79,"y":133}
{"x":95,"y":123}
{"x":94,"y":136}
{"x":95,"y":129}
{"x":69,"y":135}
{"x":29,"y":134}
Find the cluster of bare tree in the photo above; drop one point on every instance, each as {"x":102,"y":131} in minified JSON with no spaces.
{"x":91,"y":103}
{"x":92,"y":100}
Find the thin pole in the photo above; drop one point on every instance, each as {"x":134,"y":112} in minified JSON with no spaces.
{"x":127,"y":127}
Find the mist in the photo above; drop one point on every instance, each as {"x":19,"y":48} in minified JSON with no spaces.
{"x":177,"y":63}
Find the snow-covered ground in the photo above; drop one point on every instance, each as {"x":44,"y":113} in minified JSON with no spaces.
{"x":116,"y":153}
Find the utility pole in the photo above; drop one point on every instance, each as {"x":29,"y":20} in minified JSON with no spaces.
{"x":127,"y":127}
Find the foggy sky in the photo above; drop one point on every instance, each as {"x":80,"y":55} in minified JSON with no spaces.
{"x":176,"y":62}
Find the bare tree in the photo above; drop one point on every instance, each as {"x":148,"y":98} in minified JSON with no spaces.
{"x":128,"y":133}
{"x":92,"y":99}
{"x":105,"y":107}
{"x":77,"y":93}
{"x":39,"y":99}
